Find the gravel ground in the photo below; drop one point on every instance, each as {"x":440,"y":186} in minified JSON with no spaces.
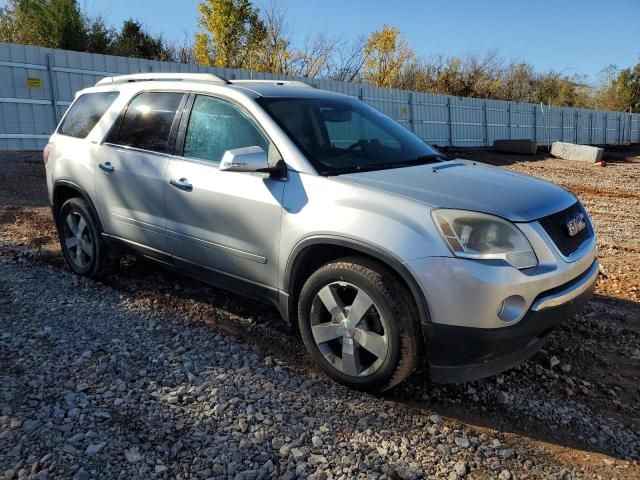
{"x":153,"y":375}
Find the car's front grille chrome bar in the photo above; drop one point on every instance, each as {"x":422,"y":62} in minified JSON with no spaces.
{"x":572,"y":291}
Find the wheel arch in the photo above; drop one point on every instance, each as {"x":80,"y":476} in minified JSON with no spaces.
{"x":314,"y":251}
{"x":63,"y":190}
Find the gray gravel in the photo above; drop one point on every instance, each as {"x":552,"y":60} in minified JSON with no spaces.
{"x":532,"y":402}
{"x":153,"y":375}
{"x":94,"y":384}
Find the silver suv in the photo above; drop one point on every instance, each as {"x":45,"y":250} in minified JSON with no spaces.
{"x":383,"y":251}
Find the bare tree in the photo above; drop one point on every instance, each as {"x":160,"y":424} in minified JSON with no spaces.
{"x":482,"y":74}
{"x":348,"y":61}
{"x":315,"y":58}
{"x":274,"y":55}
{"x":181,"y":52}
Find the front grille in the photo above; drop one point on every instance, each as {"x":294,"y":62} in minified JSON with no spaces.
{"x":556,"y":227}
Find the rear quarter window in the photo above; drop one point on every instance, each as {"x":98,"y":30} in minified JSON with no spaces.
{"x":85,"y":113}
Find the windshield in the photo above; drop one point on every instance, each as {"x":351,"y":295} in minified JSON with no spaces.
{"x":345,"y":135}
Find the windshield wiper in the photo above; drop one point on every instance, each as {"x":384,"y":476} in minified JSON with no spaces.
{"x":422,"y":160}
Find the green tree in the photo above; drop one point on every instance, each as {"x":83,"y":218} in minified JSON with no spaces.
{"x":21,"y":22}
{"x":635,"y":88}
{"x":619,"y":89}
{"x":100,"y":37}
{"x":61,"y":24}
{"x":134,"y":41}
{"x":231,"y":34}
{"x":67,"y":25}
{"x":47,"y":23}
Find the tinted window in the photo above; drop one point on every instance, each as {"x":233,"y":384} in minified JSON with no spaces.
{"x":85,"y":113}
{"x":343,"y":135}
{"x":147,"y":122}
{"x":216,"y":126}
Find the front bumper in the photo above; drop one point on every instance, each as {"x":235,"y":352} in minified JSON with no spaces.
{"x":461,"y":354}
{"x":486,"y":317}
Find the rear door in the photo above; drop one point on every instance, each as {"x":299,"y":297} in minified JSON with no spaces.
{"x":224,"y":222}
{"x":73,"y":151}
{"x":131,"y":168}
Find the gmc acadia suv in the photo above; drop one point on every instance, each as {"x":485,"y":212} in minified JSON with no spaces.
{"x":382,"y":250}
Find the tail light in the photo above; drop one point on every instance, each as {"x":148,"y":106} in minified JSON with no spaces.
{"x":47,"y":152}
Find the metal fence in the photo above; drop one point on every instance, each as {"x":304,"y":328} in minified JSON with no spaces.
{"x":37,"y":84}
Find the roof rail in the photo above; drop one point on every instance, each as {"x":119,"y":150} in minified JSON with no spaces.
{"x":287,"y":83}
{"x":177,"y":76}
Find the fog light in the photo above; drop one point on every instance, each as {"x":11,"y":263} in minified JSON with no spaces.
{"x":511,"y":308}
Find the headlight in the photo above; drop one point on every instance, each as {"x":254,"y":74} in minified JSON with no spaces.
{"x":484,"y":237}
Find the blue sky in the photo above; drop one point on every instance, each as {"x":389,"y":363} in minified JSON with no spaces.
{"x":577,"y":36}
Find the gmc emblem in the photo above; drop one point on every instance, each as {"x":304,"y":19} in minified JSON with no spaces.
{"x":576,"y":224}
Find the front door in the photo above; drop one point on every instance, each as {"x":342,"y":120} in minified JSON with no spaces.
{"x":131,"y":167}
{"x":225,"y":222}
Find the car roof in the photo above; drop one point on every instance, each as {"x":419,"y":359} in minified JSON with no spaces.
{"x":205,"y":81}
{"x":283,"y":90}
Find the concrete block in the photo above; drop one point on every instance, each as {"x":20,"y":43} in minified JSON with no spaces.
{"x":522,"y":147}
{"x":571,"y":151}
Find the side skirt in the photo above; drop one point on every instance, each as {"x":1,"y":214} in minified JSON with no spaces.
{"x":211,"y":276}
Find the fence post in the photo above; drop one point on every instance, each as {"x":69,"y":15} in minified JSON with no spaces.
{"x":486,"y":125}
{"x":577,"y":122}
{"x":591,"y":129}
{"x":449,"y":126}
{"x":54,"y":90}
{"x":561,"y":124}
{"x":509,"y":120}
{"x":619,"y":129}
{"x":535,"y":123}
{"x":606,"y":124}
{"x":410,"y":105}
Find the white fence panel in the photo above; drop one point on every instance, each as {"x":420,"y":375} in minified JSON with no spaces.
{"x":37,"y":84}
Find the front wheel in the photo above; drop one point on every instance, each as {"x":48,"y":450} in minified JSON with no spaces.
{"x":359,"y":324}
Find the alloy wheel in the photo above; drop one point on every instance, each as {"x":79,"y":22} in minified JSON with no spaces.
{"x":77,"y":239}
{"x":349,"y":329}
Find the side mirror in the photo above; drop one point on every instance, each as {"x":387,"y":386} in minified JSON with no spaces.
{"x":246,"y":159}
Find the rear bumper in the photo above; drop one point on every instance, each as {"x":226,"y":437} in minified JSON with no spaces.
{"x":461,"y":354}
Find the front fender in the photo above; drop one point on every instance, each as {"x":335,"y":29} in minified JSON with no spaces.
{"x":392,"y":229}
{"x":315,"y":205}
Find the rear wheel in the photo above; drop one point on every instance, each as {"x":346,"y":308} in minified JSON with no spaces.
{"x":80,"y":239}
{"x":359,"y":324}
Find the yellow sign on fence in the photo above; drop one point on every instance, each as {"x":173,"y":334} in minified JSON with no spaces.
{"x":34,"y":82}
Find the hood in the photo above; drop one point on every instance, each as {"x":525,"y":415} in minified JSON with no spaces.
{"x":467,"y":185}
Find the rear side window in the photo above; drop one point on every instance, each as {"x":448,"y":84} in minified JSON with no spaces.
{"x":147,"y":122}
{"x":85,"y":113}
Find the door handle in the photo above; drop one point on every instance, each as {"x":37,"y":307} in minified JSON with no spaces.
{"x":107,"y":167}
{"x":182,"y":184}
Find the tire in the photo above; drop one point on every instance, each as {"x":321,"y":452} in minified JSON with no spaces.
{"x":94,"y":259}
{"x":389,"y":327}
